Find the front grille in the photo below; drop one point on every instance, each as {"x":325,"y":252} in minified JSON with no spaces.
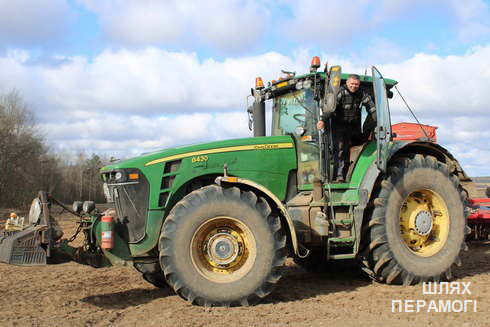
{"x":131,"y":201}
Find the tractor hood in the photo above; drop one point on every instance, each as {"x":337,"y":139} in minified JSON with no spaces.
{"x":265,"y":160}
{"x":234,"y":145}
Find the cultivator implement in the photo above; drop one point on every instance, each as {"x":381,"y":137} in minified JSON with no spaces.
{"x":40,"y":241}
{"x":479,"y":218}
{"x":23,"y":247}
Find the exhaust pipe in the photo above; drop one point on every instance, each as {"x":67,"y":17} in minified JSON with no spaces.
{"x":258,"y":113}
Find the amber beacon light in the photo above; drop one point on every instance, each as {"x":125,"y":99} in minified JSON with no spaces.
{"x":259,"y":84}
{"x":315,"y":63}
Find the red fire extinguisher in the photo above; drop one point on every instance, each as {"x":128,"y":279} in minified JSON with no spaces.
{"x":107,"y":229}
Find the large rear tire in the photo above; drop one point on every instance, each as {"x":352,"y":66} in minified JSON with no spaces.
{"x":222,"y":247}
{"x":417,"y":226}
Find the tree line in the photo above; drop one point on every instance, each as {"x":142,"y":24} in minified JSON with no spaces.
{"x":27,"y":165}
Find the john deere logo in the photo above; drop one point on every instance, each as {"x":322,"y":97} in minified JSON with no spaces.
{"x":266,"y":146}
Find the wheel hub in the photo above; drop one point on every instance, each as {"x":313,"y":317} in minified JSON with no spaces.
{"x":423,"y":223}
{"x":222,"y":248}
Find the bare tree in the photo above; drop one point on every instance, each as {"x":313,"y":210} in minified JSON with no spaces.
{"x":27,"y":165}
{"x":23,"y":160}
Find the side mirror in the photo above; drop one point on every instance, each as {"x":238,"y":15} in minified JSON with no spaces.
{"x":389,"y":94}
{"x":331,"y":90}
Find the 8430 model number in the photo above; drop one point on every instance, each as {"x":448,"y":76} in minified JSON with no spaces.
{"x":199,"y":159}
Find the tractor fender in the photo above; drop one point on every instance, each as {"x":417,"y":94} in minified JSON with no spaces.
{"x":405,"y":148}
{"x":271,"y":198}
{"x":433,"y":149}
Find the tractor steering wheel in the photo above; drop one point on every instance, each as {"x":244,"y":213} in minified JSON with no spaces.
{"x":298,"y":116}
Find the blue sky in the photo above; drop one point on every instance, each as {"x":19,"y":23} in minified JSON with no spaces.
{"x":125,"y":77}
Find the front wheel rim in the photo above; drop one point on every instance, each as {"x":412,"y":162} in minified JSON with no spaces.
{"x":424,"y":222}
{"x":223,"y":249}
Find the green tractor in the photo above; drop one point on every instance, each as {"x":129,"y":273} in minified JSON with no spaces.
{"x":217,"y":221}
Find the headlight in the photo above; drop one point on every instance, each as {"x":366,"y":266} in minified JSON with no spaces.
{"x":88,"y":206}
{"x":107,"y":193}
{"x":77,"y":206}
{"x":118,"y":176}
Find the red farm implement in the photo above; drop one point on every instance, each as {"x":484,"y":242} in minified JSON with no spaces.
{"x":479,"y":218}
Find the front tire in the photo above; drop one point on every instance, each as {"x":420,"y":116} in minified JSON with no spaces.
{"x":222,"y":247}
{"x":417,"y":227}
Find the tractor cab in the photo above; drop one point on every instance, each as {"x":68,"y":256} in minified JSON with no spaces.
{"x":298,"y":102}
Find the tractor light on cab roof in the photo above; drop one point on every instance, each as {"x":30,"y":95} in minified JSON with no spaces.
{"x":259,"y":84}
{"x":315,"y":64}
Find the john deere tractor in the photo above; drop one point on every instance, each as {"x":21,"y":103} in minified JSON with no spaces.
{"x":217,"y":221}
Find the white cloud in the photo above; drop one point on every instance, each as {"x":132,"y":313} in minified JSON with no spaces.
{"x":228,"y":25}
{"x":140,"y":22}
{"x":150,"y":98}
{"x":32,"y":22}
{"x":132,"y":135}
{"x":338,"y":23}
{"x":233,"y":25}
{"x":149,"y":81}
{"x":380,"y":50}
{"x":325,"y":21}
{"x":444,"y":85}
{"x":472,"y":18}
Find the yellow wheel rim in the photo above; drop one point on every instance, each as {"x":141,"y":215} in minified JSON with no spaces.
{"x":223,"y":249}
{"x":424,"y":222}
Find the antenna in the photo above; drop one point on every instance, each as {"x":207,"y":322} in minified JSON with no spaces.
{"x":420,"y":125}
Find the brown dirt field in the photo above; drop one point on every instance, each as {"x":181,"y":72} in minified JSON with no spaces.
{"x":74,"y":295}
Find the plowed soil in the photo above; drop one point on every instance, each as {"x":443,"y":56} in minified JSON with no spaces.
{"x":74,"y":295}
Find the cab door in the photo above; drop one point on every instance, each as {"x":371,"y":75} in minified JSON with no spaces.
{"x":383,"y":128}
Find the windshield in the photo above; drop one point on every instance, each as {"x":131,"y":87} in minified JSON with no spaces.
{"x":293,"y":110}
{"x":296,"y":114}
